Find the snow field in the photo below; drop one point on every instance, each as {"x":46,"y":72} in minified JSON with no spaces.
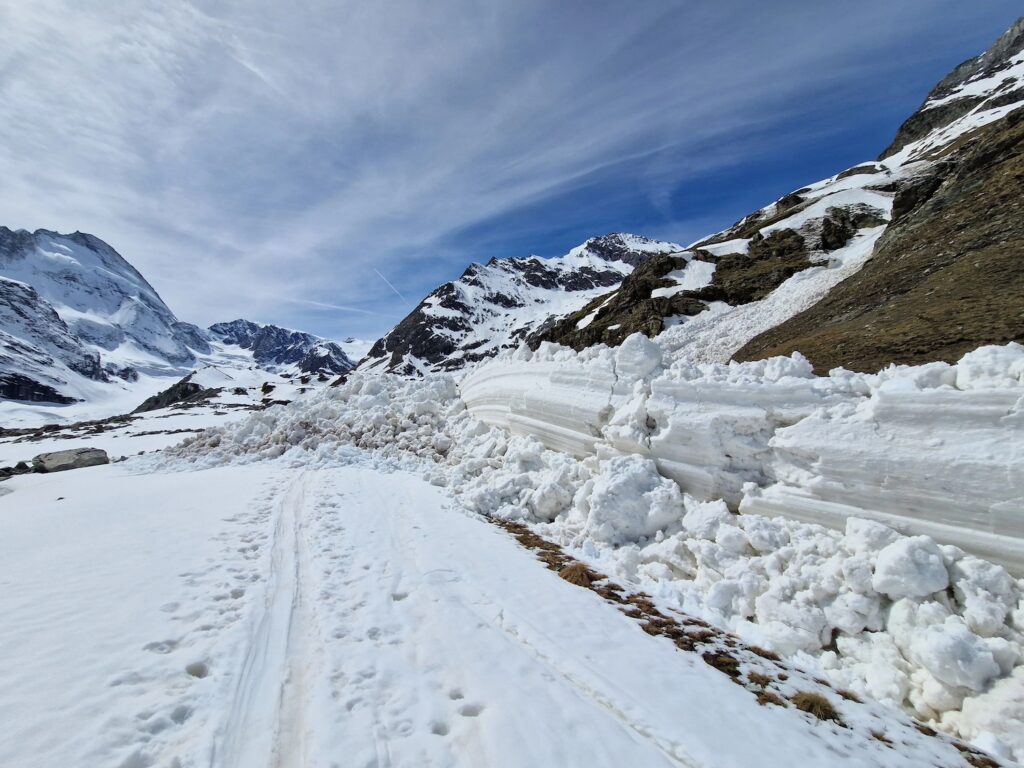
{"x":119,"y":609}
{"x":268,"y":615}
{"x":901,"y":619}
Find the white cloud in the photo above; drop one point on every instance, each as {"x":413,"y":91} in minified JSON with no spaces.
{"x":264,"y":158}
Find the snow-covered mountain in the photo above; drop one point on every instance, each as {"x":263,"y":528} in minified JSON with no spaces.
{"x":73,"y":313}
{"x":912,"y":257}
{"x":273,"y":346}
{"x":79,"y":324}
{"x":496,"y":305}
{"x":102,"y":298}
{"x":38,"y":353}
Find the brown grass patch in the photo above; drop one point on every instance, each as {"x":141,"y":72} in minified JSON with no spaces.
{"x":879,"y":736}
{"x":764,"y":653}
{"x":980,"y":761}
{"x":756,"y":678}
{"x":817,"y":705}
{"x":723,"y":662}
{"x":578,"y":574}
{"x":849,"y":695}
{"x":764,"y":698}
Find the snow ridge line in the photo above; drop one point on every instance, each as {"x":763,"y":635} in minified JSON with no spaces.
{"x":264,"y":699}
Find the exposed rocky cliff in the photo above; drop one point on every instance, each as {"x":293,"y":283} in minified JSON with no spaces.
{"x":496,"y":305}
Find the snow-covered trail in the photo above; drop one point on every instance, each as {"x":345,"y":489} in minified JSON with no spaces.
{"x":265,"y":716}
{"x":264,"y":616}
{"x":373,"y":640}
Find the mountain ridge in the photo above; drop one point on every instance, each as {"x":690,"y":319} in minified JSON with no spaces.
{"x":74,"y":314}
{"x":496,"y":305}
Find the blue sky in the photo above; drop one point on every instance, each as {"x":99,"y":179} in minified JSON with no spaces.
{"x":268,"y":160}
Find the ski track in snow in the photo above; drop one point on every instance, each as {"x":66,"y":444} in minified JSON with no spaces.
{"x":389,"y":609}
{"x":275,"y":668}
{"x":269,"y":617}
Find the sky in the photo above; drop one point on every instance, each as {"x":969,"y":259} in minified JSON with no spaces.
{"x":323,"y":165}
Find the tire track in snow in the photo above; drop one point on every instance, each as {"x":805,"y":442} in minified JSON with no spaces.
{"x":265,"y":723}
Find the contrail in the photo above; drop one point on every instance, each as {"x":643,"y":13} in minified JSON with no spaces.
{"x":332,"y":306}
{"x":398,"y":292}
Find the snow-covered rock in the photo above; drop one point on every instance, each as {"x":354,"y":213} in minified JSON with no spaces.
{"x":273,"y":347}
{"x":494,"y":306}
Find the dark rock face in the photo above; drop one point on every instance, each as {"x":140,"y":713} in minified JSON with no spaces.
{"x":744,"y":277}
{"x":628,"y":310}
{"x":37,"y":349}
{"x":326,"y":358}
{"x":946,"y":277}
{"x":181,"y":393}
{"x":841,"y":224}
{"x":273,"y":346}
{"x":990,"y":63}
{"x":15,"y":386}
{"x":510,"y":298}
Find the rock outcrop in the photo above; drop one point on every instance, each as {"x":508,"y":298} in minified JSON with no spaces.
{"x":75,"y":458}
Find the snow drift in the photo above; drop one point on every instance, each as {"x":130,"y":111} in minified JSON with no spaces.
{"x":901,"y":619}
{"x":933,"y":449}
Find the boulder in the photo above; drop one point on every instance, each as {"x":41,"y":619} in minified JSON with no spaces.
{"x":75,"y":458}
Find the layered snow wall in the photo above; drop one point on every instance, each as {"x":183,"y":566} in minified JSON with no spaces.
{"x":936,"y":449}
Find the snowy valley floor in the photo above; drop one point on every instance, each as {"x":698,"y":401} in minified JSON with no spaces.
{"x":273,"y":615}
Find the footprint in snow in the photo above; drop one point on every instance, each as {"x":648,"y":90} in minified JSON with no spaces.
{"x":439,"y":729}
{"x":161,"y":646}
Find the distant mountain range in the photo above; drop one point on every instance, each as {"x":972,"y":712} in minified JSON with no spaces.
{"x":272,"y":346}
{"x":74,"y":313}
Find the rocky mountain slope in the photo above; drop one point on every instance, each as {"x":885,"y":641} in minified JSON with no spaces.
{"x":496,"y":305}
{"x":910,"y":258}
{"x":79,"y":324}
{"x":103,"y":299}
{"x":37,"y":350}
{"x":273,"y":346}
{"x":948,"y":273}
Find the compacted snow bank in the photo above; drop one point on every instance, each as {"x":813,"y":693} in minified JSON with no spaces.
{"x":901,"y":619}
{"x":935,"y":449}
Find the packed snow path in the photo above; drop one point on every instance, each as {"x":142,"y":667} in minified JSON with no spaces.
{"x":260,"y":615}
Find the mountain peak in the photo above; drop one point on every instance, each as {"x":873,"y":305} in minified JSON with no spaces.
{"x":272,"y":345}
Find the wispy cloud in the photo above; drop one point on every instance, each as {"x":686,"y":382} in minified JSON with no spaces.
{"x":239,"y":153}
